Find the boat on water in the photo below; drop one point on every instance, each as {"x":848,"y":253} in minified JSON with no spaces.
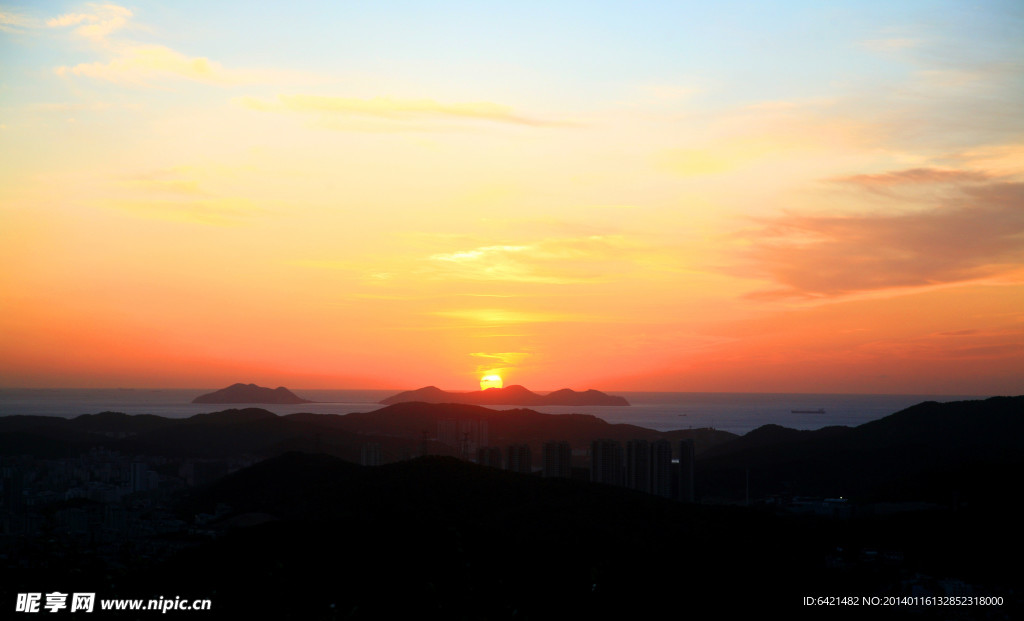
{"x":818,"y":411}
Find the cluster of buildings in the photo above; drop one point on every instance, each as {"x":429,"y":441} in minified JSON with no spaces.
{"x":658,"y":467}
{"x":105,"y":499}
{"x":641,"y":465}
{"x":101,"y":498}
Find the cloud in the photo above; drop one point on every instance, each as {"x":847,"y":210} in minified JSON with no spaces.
{"x":210,"y":212}
{"x":916,"y":176}
{"x":890,"y":44}
{"x":499,"y":362}
{"x":16,"y":22}
{"x":393,"y":109}
{"x":142,"y":63}
{"x":187,"y":187}
{"x":95,"y":25}
{"x":789,"y":105}
{"x":977,"y":232}
{"x":478,"y":253}
{"x":505,"y":316}
{"x":999,"y":160}
{"x":969,"y":345}
{"x":788,"y":138}
{"x":596,"y":258}
{"x":505,"y":359}
{"x":173,"y":183}
{"x":177,"y":194}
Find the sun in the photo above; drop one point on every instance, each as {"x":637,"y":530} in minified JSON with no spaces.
{"x":490,"y":381}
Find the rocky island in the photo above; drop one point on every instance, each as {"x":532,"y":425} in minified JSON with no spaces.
{"x":251,"y":393}
{"x":509,"y":395}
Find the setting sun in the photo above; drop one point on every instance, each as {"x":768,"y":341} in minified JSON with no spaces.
{"x":490,"y":381}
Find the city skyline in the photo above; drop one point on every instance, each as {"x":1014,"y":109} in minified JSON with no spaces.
{"x":647,"y":197}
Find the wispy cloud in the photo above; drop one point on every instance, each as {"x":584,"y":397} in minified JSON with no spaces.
{"x":916,"y":176}
{"x":967,"y":345}
{"x":974,"y":233}
{"x":11,"y":21}
{"x":890,"y":44}
{"x":127,"y":61}
{"x":596,"y":258}
{"x":142,"y":64}
{"x":211,"y":211}
{"x":507,"y":316}
{"x":393,"y":109}
{"x":999,"y":160}
{"x":498,"y":362}
{"x":97,"y":24}
{"x":178,"y":195}
{"x":94,"y":23}
{"x":188,"y":187}
{"x":786,"y":105}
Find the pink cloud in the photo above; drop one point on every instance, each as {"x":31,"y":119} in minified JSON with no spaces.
{"x":975,"y":233}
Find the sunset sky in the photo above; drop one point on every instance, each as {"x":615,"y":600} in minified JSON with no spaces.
{"x":673,"y":196}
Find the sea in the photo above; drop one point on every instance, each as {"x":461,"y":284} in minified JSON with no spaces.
{"x":737,"y":413}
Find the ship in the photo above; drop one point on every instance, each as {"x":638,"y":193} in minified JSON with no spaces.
{"x":818,"y":411}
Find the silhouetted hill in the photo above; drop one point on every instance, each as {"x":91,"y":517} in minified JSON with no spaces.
{"x":399,"y":430}
{"x":249,"y":431}
{"x":456,"y":540}
{"x":232,"y":416}
{"x":976,"y":427}
{"x":118,"y":422}
{"x":775,"y":437}
{"x":513,"y":426}
{"x":44,"y":446}
{"x":291,"y":485}
{"x":250,"y":393}
{"x":944,"y":453}
{"x":905,"y":455}
{"x":509,"y":395}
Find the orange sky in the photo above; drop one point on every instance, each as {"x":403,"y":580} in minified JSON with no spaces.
{"x":395,"y":199}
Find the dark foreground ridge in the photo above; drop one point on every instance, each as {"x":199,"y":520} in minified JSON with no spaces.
{"x":304,"y":534}
{"x":251,"y":393}
{"x":403,"y":431}
{"x":509,"y":395}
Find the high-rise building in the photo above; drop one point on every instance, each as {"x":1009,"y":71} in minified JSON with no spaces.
{"x":557,"y":460}
{"x":465,"y":435}
{"x":138,"y":477}
{"x":606,"y":462}
{"x":370,"y":454}
{"x":13,"y":498}
{"x":489,"y":456}
{"x":519,"y":459}
{"x":686,"y":468}
{"x":638,"y":465}
{"x":661,"y":468}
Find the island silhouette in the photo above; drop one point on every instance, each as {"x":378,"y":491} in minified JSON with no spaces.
{"x":251,"y":393}
{"x":509,"y":395}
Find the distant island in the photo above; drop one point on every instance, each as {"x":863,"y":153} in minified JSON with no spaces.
{"x":509,"y":395}
{"x":251,"y":393}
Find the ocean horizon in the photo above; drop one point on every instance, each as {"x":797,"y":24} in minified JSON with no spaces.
{"x":736,"y":413}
